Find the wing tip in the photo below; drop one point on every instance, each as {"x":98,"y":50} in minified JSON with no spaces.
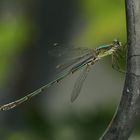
{"x":73,"y":99}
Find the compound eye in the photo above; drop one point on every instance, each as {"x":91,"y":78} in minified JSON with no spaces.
{"x":115,"y":42}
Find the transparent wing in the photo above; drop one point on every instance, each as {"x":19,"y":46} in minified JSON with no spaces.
{"x":60,"y":50}
{"x":119,"y":59}
{"x":79,"y":83}
{"x":73,"y":61}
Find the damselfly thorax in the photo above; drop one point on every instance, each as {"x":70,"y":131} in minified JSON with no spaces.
{"x":106,"y":50}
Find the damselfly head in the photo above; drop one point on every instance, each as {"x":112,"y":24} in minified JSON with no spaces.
{"x":116,"y":43}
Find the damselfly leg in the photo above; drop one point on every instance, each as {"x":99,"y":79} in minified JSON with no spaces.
{"x":119,"y":59}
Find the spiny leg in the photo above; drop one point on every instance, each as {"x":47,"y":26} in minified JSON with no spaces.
{"x":115,"y":63}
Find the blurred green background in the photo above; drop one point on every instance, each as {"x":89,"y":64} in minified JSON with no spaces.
{"x":27,"y":31}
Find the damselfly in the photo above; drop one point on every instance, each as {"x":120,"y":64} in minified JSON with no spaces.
{"x":85,"y":61}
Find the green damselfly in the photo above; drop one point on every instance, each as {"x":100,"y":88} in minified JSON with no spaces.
{"x":84,"y":61}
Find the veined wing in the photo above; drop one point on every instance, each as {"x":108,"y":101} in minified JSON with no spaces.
{"x":60,"y":50}
{"x":79,"y":83}
{"x":73,"y":61}
{"x":40,"y":90}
